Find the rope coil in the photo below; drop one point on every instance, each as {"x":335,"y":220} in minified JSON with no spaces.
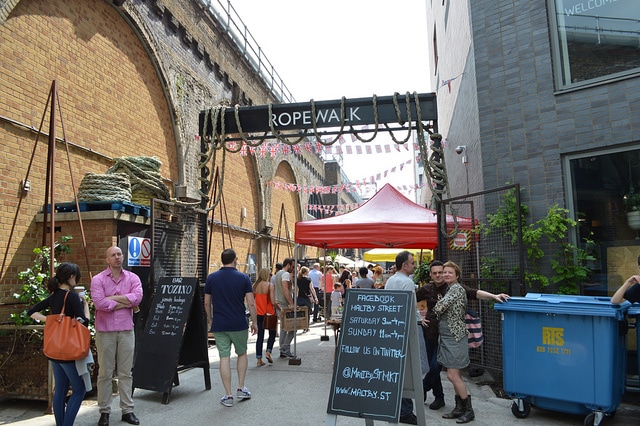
{"x":144,"y":176}
{"x":104,"y":187}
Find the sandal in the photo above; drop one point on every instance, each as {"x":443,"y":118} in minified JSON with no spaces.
{"x":268,"y":356}
{"x":260,"y":362}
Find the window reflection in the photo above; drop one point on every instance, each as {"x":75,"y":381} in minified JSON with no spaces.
{"x":597,"y":38}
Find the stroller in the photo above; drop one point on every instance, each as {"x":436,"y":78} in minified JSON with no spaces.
{"x":321,"y":305}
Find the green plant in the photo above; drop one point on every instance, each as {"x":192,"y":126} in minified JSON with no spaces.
{"x":632,"y":201}
{"x":569,"y":263}
{"x":570,"y":267}
{"x":421,"y":275}
{"x":34,"y":288}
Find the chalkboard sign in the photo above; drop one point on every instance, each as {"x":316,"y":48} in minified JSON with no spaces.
{"x":175,"y":321}
{"x":368,"y":372}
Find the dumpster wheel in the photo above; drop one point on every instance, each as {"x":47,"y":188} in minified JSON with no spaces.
{"x":594,"y":419}
{"x":521,"y":408}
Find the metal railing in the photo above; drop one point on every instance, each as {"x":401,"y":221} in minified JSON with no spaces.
{"x":225,"y":14}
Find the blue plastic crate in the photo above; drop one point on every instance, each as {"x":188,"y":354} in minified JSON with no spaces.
{"x":634,"y":311}
{"x":86,"y":206}
{"x":65,"y":207}
{"x":564,"y":353}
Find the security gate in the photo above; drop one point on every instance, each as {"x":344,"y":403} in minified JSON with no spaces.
{"x":490,"y":253}
{"x":179,"y":241}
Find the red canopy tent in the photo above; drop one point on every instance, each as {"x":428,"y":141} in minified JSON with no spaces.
{"x":388,"y":219}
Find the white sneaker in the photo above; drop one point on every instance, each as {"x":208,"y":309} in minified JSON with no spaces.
{"x":243,"y":393}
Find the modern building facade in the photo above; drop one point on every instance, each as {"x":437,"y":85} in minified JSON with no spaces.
{"x":546,"y":93}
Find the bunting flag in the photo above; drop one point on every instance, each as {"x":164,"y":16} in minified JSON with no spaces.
{"x":344,"y":208}
{"x":328,"y":209}
{"x":448,"y":82}
{"x":273,"y":149}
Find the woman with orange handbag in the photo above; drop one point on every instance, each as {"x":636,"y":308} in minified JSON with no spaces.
{"x":264,"y":294}
{"x":65,"y":373}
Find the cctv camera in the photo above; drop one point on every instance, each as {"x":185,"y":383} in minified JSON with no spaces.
{"x":460,"y":149}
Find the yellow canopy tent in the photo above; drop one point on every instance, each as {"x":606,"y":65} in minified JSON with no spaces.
{"x":377,"y":255}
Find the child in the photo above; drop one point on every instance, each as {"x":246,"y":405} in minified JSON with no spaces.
{"x":336,"y":301}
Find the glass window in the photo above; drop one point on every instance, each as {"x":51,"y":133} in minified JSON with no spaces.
{"x":605,"y":199}
{"x":595,"y":39}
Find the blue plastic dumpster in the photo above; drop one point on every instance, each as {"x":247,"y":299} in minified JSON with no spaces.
{"x":564,"y":353}
{"x":634,"y":311}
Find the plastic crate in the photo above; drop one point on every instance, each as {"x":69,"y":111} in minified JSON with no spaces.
{"x":634,"y":311}
{"x":85,"y":206}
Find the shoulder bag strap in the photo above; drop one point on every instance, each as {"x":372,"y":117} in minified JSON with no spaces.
{"x":64,"y":304}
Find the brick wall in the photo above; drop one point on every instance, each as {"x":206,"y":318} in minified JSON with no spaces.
{"x":112,"y":104}
{"x":127,"y":87}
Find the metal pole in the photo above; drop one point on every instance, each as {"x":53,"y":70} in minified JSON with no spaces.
{"x":324,"y":338}
{"x":51,"y":158}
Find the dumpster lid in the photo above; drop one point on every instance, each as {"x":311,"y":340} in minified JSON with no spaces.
{"x":634,"y":310}
{"x":565,"y":304}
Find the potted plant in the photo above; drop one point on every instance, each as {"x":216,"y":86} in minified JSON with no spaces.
{"x":23,"y":368}
{"x":632,"y":206}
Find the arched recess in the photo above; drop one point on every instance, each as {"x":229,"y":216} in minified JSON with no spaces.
{"x":284,"y":211}
{"x":112,"y":98}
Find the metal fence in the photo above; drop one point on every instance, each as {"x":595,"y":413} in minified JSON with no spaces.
{"x":490,"y":254}
{"x":179,"y":241}
{"x":225,"y":14}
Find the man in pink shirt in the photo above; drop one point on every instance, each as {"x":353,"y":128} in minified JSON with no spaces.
{"x":115,"y":293}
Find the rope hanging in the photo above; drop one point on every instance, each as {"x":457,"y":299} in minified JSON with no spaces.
{"x":433,"y":163}
{"x":216,"y":143}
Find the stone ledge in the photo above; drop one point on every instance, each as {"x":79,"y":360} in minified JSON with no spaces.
{"x":97,"y":215}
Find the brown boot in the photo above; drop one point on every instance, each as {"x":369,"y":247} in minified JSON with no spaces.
{"x":457,"y":411}
{"x":468,"y":413}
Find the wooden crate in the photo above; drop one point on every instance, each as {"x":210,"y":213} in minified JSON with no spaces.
{"x":301,"y":319}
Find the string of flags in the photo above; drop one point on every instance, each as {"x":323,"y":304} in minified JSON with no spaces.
{"x":272,"y":149}
{"x":346,"y":187}
{"x":331,"y":189}
{"x":327,"y":209}
{"x":346,"y":208}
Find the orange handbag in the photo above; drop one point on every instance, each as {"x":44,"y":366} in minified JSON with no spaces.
{"x":65,"y":338}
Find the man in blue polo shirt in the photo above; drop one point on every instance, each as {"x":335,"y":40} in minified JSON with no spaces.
{"x":225,"y":293}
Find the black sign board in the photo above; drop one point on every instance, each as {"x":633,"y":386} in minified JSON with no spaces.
{"x":326,"y":114}
{"x":369,"y":369}
{"x":174,"y":338}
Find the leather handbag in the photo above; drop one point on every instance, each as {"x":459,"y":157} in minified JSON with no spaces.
{"x":270,"y":322}
{"x":65,"y":338}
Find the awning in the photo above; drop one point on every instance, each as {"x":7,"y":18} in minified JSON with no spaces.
{"x":389,"y":254}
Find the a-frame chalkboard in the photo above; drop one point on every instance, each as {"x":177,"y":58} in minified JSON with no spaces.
{"x":174,"y":338}
{"x":377,"y":358}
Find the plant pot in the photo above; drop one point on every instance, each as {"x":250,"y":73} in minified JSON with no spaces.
{"x":633,"y":220}
{"x":23,"y":368}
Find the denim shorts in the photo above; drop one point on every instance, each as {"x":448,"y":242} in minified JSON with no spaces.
{"x":224,"y":339}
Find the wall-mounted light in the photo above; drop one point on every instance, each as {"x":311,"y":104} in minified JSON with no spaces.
{"x":243,"y":212}
{"x":26,"y":185}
